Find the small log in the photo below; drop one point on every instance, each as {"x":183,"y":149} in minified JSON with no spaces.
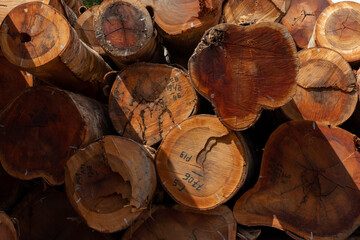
{"x":283,"y":5}
{"x":147,"y":100}
{"x":12,"y":81}
{"x":242,"y":70}
{"x":49,"y":215}
{"x":51,"y":50}
{"x":110,"y":182}
{"x":10,"y":190}
{"x":338,"y":28}
{"x":249,"y":12}
{"x":308,"y":171}
{"x":301,"y":18}
{"x":43,"y":127}
{"x":182,"y":23}
{"x":326,"y":88}
{"x":182,"y":223}
{"x":201,"y":163}
{"x":7,"y":229}
{"x":75,"y":5}
{"x":125,"y":31}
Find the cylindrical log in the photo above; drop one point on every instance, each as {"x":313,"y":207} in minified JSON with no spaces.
{"x":308,"y":171}
{"x":10,"y":190}
{"x":182,"y":23}
{"x":51,"y":50}
{"x":201,"y":163}
{"x":110,"y":182}
{"x":326,"y":88}
{"x":338,"y":28}
{"x":301,"y":18}
{"x":49,"y":215}
{"x":75,"y":5}
{"x":147,"y":100}
{"x":249,"y":12}
{"x":242,"y":70}
{"x":182,"y":223}
{"x":43,"y":127}
{"x":7,"y":229}
{"x":125,"y":31}
{"x":12,"y":82}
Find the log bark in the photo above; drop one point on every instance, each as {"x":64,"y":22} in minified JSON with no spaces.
{"x":181,"y":223}
{"x":326,"y":88}
{"x":249,"y":12}
{"x":7,"y":229}
{"x":51,"y":50}
{"x":147,"y":100}
{"x":338,"y":28}
{"x":110,"y":182}
{"x":49,"y":215}
{"x":202,"y":164}
{"x":10,"y":190}
{"x":43,"y":127}
{"x":242,"y":70}
{"x":309,"y":170}
{"x":301,"y":18}
{"x":182,"y":23}
{"x":125,"y":31}
{"x":12,"y":81}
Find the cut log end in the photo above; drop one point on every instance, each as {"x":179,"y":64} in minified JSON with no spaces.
{"x":189,"y":167}
{"x":242,"y":70}
{"x":7,"y":229}
{"x":308,"y":171}
{"x":147,"y":100}
{"x":326,"y":90}
{"x":110,"y":182}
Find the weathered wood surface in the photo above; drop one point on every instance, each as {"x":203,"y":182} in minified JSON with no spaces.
{"x":7,"y":229}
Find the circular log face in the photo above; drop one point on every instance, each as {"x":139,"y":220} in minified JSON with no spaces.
{"x":33,"y":41}
{"x":148,"y":99}
{"x":338,"y":27}
{"x":38,"y":133}
{"x":242,"y":70}
{"x":201,"y":163}
{"x":7,"y":229}
{"x":301,"y":18}
{"x":309,"y":183}
{"x":182,"y":223}
{"x":326,"y":90}
{"x":110,"y":182}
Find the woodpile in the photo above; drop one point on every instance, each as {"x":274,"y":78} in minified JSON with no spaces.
{"x":179,"y":119}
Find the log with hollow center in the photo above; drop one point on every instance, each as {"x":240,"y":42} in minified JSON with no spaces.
{"x":110,"y":182}
{"x":147,"y":100}
{"x":201,"y":163}
{"x":43,"y":127}
{"x":243,"y":70}
{"x":326,"y":88}
{"x":308,"y":172}
{"x":36,"y":38}
{"x":338,"y":28}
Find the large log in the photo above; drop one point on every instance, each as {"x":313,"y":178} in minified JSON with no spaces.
{"x":308,"y":184}
{"x":201,"y":163}
{"x":249,"y":12}
{"x":110,"y":182}
{"x":50,"y":49}
{"x":147,"y":100}
{"x":49,"y":215}
{"x":338,"y":28}
{"x":7,"y":229}
{"x":12,"y":82}
{"x":242,"y":70}
{"x":43,"y":127}
{"x":124,"y":29}
{"x":182,"y":223}
{"x":301,"y":18}
{"x":326,"y":88}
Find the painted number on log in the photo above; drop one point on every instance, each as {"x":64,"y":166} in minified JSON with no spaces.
{"x":174,"y":87}
{"x":276,"y":172}
{"x":190,"y":180}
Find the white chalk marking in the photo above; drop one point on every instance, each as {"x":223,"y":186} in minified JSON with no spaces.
{"x":91,"y":147}
{"x":77,"y":201}
{"x":26,"y":172}
{"x":318,"y":50}
{"x":130,"y":161}
{"x":77,"y":187}
{"x":314,"y":126}
{"x":179,"y":127}
{"x":221,"y":235}
{"x":261,"y":176}
{"x":126,"y":52}
{"x":218,"y":196}
{"x":311,"y":235}
{"x":42,"y":5}
{"x":21,"y":62}
{"x":287,"y":35}
{"x":192,"y":25}
{"x":164,"y":182}
{"x":271,"y":98}
{"x":177,"y":73}
{"x":324,"y":13}
{"x":126,"y":221}
{"x":99,"y":35}
{"x":142,"y":19}
{"x":62,"y":47}
{"x":212,"y":95}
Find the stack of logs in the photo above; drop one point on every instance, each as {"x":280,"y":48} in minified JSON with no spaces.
{"x":174,"y":119}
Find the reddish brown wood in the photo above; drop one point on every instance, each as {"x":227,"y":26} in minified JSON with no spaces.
{"x":10,"y":190}
{"x":181,"y":223}
{"x":309,"y":170}
{"x":7,"y":229}
{"x":147,"y":100}
{"x":51,"y":50}
{"x":43,"y":127}
{"x":242,"y":70}
{"x":283,"y":5}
